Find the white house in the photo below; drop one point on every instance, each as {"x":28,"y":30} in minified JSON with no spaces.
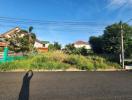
{"x":80,"y":44}
{"x":40,"y":44}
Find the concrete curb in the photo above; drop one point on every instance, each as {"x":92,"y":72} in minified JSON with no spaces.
{"x":99,"y":70}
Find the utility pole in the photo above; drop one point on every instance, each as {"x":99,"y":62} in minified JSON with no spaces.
{"x":122,"y":44}
{"x":122,"y":47}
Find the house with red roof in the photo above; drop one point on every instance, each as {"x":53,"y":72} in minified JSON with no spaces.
{"x":80,"y":44}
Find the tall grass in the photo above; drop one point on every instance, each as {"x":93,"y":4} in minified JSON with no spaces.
{"x":59,"y":60}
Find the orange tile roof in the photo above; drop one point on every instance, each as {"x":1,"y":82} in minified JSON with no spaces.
{"x":80,"y":42}
{"x":3,"y":44}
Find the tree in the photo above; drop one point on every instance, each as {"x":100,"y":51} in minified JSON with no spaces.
{"x":32,"y":38}
{"x":14,"y":43}
{"x":30,"y":29}
{"x":96,"y":43}
{"x":51,"y":47}
{"x":70,"y":49}
{"x":22,"y":43}
{"x":55,"y":46}
{"x":19,"y":44}
{"x":110,"y":41}
{"x":112,"y":38}
{"x":83,"y":51}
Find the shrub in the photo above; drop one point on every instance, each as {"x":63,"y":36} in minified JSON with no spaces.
{"x":50,"y":65}
{"x":56,"y":56}
{"x":103,"y":63}
{"x":80,"y":62}
{"x":1,"y":49}
{"x":72,"y":59}
{"x":58,"y":60}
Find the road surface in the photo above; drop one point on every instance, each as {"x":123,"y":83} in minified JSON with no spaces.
{"x":66,"y":86}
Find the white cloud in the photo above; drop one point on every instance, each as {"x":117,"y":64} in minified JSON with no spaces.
{"x":119,"y":3}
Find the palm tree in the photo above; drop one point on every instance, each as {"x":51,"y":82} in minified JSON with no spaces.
{"x":32,"y":38}
{"x":30,"y":29}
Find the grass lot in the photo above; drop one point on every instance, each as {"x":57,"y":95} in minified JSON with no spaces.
{"x":58,"y":60}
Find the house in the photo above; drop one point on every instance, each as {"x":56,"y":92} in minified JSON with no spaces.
{"x":40,"y":45}
{"x":13,"y":33}
{"x":3,"y":43}
{"x":80,"y":44}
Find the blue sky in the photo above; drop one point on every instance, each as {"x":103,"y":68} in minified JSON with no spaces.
{"x":96,"y":14}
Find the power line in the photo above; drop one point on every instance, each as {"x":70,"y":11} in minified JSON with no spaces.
{"x":78,"y":27}
{"x":89,"y":26}
{"x":56,"y":29}
{"x":40,"y":22}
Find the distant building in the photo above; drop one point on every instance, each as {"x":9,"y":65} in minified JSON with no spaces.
{"x":13,"y":33}
{"x":42,"y":46}
{"x":80,"y":44}
{"x":3,"y":42}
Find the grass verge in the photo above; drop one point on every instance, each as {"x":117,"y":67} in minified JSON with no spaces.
{"x":59,"y":61}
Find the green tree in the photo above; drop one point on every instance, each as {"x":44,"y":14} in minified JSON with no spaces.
{"x":22,"y":43}
{"x":14,"y":43}
{"x":51,"y":47}
{"x":70,"y":49}
{"x":96,"y":43}
{"x":30,"y":29}
{"x":32,"y":38}
{"x":55,"y":46}
{"x":110,"y":41}
{"x":84,"y":51}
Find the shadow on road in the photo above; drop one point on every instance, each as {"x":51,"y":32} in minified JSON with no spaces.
{"x":24,"y":93}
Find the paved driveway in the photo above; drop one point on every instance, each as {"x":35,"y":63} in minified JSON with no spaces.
{"x":66,"y":86}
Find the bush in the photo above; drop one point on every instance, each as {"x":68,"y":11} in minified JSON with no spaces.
{"x":49,"y":65}
{"x":103,"y":63}
{"x":80,"y":62}
{"x":1,"y":49}
{"x":90,"y":62}
{"x":56,"y":56}
{"x":58,"y":60}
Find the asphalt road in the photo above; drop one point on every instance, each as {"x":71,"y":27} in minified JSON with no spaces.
{"x":66,"y":86}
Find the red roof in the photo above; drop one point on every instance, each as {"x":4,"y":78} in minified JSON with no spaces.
{"x":80,"y":43}
{"x":3,"y":44}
